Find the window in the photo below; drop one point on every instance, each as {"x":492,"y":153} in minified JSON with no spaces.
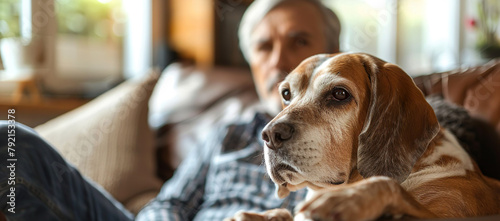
{"x":421,"y":36}
{"x":89,"y":38}
{"x":82,"y":47}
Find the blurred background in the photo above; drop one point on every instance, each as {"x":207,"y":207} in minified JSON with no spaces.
{"x":58,"y":54}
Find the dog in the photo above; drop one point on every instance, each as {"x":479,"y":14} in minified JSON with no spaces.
{"x":357,"y":132}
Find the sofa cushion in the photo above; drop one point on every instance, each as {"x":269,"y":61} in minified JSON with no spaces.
{"x":109,"y":141}
{"x":477,"y":89}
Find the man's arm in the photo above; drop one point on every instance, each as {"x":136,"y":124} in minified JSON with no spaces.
{"x":181,"y":196}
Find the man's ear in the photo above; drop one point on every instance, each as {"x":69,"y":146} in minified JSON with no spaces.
{"x":399,"y":124}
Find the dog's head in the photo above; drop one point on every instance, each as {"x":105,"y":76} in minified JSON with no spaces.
{"x":346,"y":112}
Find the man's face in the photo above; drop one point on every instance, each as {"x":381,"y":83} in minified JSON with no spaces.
{"x":287,"y":35}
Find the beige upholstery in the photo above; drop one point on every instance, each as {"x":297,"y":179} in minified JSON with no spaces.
{"x":109,"y":141}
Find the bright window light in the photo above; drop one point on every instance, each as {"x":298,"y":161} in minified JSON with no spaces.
{"x":104,"y":1}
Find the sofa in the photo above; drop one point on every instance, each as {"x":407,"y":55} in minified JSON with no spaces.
{"x":130,"y":139}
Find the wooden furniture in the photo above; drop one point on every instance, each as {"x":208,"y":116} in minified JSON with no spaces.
{"x":31,"y":107}
{"x":34,"y":113}
{"x":26,"y":88}
{"x":205,"y":31}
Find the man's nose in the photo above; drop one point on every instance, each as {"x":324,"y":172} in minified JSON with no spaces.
{"x":281,"y":59}
{"x":276,"y":134}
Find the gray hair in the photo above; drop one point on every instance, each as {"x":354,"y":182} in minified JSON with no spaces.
{"x":259,"y":9}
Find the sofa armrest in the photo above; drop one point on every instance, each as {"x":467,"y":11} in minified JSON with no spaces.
{"x":110,"y":142}
{"x":477,"y":89}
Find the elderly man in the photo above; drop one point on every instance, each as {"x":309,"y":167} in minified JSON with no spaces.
{"x":227,"y":175}
{"x":224,"y":176}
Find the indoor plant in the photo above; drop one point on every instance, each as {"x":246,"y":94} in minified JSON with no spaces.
{"x":488,"y":43}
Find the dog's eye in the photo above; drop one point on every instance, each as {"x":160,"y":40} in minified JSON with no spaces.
{"x":286,"y":94}
{"x":340,"y":94}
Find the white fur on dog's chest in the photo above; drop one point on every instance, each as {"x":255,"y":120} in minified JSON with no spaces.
{"x":449,"y":148}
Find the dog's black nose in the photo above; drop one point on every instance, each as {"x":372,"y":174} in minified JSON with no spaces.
{"x":276,"y":134}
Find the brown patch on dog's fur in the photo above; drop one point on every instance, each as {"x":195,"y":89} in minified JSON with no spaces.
{"x":446,"y":160}
{"x":304,"y":82}
{"x":453,"y":191}
{"x":354,"y":176}
{"x":437,"y":141}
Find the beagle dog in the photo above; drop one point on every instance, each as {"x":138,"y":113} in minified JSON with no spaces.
{"x":358,"y":133}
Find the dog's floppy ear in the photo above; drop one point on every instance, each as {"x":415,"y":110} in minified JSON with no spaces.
{"x":399,"y":123}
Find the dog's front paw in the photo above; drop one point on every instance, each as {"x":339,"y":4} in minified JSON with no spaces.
{"x":345,"y":204}
{"x":270,"y":215}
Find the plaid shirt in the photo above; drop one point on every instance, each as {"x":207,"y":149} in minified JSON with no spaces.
{"x":221,"y":178}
